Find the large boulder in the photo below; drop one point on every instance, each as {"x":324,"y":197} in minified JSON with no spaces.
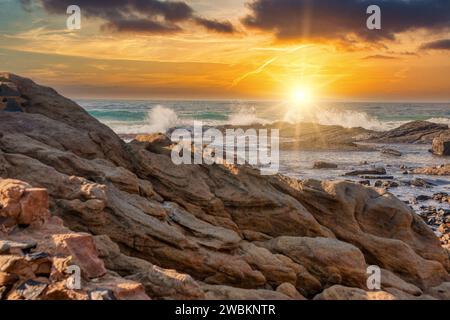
{"x":411,"y":132}
{"x":441,"y":144}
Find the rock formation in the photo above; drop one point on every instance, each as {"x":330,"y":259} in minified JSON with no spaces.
{"x":442,"y":170}
{"x":441,"y":144}
{"x":37,"y":252}
{"x":412,"y":132}
{"x":199,"y":231}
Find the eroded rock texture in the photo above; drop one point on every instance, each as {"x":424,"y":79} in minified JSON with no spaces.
{"x":218,"y":232}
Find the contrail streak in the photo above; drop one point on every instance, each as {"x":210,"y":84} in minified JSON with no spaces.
{"x":264,"y":65}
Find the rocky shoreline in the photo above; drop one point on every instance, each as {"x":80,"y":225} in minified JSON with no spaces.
{"x":191,"y":231}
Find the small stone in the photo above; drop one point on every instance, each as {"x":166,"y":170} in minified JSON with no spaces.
{"x":324,"y":165}
{"x":376,"y":171}
{"x":101,"y":294}
{"x":377,"y":177}
{"x":36,"y":256}
{"x":423,"y":197}
{"x":391,"y":152}
{"x":418,"y":182}
{"x":6,"y":245}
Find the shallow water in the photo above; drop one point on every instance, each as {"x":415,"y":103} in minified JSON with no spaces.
{"x":298,"y":164}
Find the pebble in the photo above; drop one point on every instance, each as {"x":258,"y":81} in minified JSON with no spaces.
{"x":101,"y":294}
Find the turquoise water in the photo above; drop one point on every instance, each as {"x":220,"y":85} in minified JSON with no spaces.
{"x":147,"y":116}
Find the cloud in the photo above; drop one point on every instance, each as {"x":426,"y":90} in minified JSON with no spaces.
{"x":380,"y":57}
{"x":337,"y":20}
{"x":215,"y":25}
{"x":443,"y":44}
{"x":137,"y":16}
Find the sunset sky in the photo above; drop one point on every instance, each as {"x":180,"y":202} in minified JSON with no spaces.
{"x":234,"y":49}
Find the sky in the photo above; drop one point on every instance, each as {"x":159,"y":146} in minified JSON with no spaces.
{"x":234,"y":49}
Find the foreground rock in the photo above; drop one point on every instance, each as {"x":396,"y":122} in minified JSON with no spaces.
{"x":36,"y":257}
{"x":441,"y":144}
{"x":197,"y":231}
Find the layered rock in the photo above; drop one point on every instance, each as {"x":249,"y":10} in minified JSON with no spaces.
{"x":442,"y":170}
{"x":198,"y":231}
{"x":412,"y":132}
{"x":441,"y":144}
{"x":38,"y":254}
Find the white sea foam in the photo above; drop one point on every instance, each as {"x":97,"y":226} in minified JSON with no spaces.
{"x":159,"y":119}
{"x":440,"y":120}
{"x":344,"y":118}
{"x":245,"y":118}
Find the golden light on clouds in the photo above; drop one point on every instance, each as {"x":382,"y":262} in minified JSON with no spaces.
{"x":246,"y":64}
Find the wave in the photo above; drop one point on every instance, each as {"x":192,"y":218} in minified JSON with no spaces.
{"x":245,"y":118}
{"x":158,"y":119}
{"x":353,"y":119}
{"x":440,"y":120}
{"x":161,"y":119}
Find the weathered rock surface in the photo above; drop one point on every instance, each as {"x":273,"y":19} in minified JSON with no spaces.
{"x":36,"y":258}
{"x":412,"y":132}
{"x":324,"y":165}
{"x":443,"y":170}
{"x":441,"y":144}
{"x":195,"y":231}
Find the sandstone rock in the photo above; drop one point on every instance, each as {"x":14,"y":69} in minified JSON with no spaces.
{"x":441,"y":144}
{"x":84,"y":253}
{"x":34,"y":260}
{"x":338,"y":292}
{"x":22,"y":203}
{"x":440,"y":292}
{"x":29,"y":290}
{"x":386,"y":184}
{"x":230,"y":293}
{"x":391,"y":152}
{"x":290,"y":291}
{"x":383,"y":227}
{"x":101,"y":294}
{"x":159,"y":283}
{"x":7,"y":279}
{"x":443,"y":170}
{"x":412,"y":132}
{"x":330,"y":260}
{"x":376,"y":171}
{"x":324,"y":165}
{"x":390,"y":280}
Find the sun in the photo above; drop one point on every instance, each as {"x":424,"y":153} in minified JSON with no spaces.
{"x":301,"y":96}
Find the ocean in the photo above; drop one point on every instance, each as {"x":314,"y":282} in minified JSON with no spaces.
{"x":150,"y":116}
{"x":134,"y":117}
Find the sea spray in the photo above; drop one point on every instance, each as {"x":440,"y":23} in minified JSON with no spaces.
{"x":161,"y":119}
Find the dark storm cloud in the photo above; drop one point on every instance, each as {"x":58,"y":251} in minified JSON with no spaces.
{"x":437,"y":45}
{"x":142,"y":16}
{"x":218,"y":26}
{"x":337,"y":19}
